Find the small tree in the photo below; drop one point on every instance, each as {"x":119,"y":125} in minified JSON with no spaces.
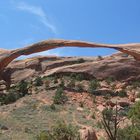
{"x":59,"y":97}
{"x":93,"y":85}
{"x":132,"y":131}
{"x":79,"y":87}
{"x":23,"y":87}
{"x":62,"y":84}
{"x":122,"y":93}
{"x":134,"y":113}
{"x":60,"y":131}
{"x":79,"y":77}
{"x":110,"y":121}
{"x":38,"y":81}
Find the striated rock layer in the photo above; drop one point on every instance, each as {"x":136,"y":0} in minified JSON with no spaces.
{"x":123,"y":68}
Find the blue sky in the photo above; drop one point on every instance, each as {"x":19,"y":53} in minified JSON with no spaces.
{"x":24,"y":22}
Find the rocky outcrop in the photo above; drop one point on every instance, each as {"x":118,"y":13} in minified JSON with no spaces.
{"x":87,"y":133}
{"x":7,"y":56}
{"x":118,"y":68}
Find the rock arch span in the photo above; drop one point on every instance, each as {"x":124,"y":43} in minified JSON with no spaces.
{"x":6,"y":56}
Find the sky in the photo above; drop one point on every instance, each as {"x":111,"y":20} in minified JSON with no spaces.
{"x":23,"y":22}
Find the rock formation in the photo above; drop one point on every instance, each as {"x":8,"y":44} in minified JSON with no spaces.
{"x":7,"y":56}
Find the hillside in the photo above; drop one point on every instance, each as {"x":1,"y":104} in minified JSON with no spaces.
{"x":38,"y":92}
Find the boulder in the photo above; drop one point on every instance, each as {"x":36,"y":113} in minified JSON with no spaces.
{"x":110,"y":103}
{"x":87,"y":133}
{"x":123,"y":103}
{"x":100,"y":108}
{"x":137,"y":99}
{"x":80,"y":109}
{"x":132,"y":98}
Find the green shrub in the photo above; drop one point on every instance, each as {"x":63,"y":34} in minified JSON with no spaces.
{"x":79,"y":87}
{"x":110,"y":79}
{"x":93,"y":116}
{"x":132,"y":132}
{"x":62,"y":84}
{"x":127,"y":133}
{"x":136,"y":84}
{"x":110,"y":122}
{"x":100,"y":57}
{"x":80,"y":60}
{"x":47,"y":84}
{"x":99,"y":125}
{"x":107,"y":96}
{"x":138,"y":95}
{"x":73,"y":75}
{"x":23,"y":87}
{"x":122,"y":93}
{"x":55,"y":80}
{"x":60,"y":131}
{"x":94,"y":99}
{"x":93,"y":85}
{"x":11,"y":97}
{"x":134,"y":114}
{"x":60,"y":97}
{"x":38,"y":81}
{"x":79,"y":77}
{"x":81,"y":104}
{"x":44,"y":136}
{"x":52,"y":107}
{"x":71,"y":84}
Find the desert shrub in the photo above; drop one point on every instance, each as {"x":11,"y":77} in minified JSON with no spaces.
{"x":127,"y":133}
{"x":79,"y":77}
{"x":138,"y":95}
{"x":52,"y":107}
{"x":110,"y":122}
{"x":47,"y":84}
{"x":38,"y":81}
{"x":93,"y":85}
{"x":136,"y":84}
{"x":122,"y":93}
{"x":80,"y":60}
{"x":132,"y":132}
{"x":134,"y":114}
{"x":60,"y":131}
{"x":110,"y":79}
{"x":94,"y":99}
{"x":100,"y":57}
{"x":73,"y":75}
{"x":99,"y":125}
{"x":23,"y":87}
{"x":79,"y":87}
{"x":60,"y":97}
{"x":81,"y":104}
{"x":44,"y":135}
{"x":71,"y":84}
{"x":11,"y":97}
{"x":107,"y":96}
{"x":55,"y":80}
{"x":93,"y":116}
{"x":62,"y":84}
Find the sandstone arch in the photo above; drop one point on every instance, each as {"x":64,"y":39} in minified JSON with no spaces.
{"x":7,"y":56}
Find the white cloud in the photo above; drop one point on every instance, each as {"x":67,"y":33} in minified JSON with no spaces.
{"x":39,"y":12}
